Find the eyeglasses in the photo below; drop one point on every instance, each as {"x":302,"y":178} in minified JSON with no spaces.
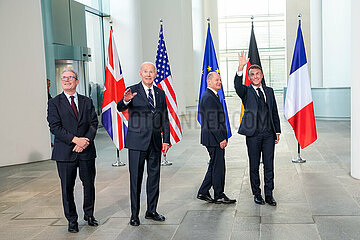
{"x":67,"y":78}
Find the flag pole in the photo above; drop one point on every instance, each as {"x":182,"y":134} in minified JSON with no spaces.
{"x":118,"y":162}
{"x":298,"y":158}
{"x":164,"y":162}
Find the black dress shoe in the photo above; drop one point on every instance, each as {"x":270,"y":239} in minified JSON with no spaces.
{"x":134,"y":221}
{"x":270,"y":200}
{"x":258,"y":199}
{"x":73,"y":227}
{"x":91,"y":220}
{"x":154,"y":216}
{"x":224,"y":200}
{"x":206,"y":198}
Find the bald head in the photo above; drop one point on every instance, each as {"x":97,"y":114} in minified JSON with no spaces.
{"x":213,"y":81}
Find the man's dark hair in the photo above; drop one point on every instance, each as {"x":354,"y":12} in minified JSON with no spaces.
{"x":255,"y":66}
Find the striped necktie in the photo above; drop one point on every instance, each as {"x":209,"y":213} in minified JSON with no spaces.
{"x":151,"y":100}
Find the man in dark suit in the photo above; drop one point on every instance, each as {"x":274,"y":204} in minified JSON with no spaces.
{"x":261,"y":126}
{"x":148,"y":119}
{"x":214,"y":138}
{"x":73,"y":121}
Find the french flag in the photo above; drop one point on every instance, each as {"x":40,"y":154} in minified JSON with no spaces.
{"x":298,"y":107}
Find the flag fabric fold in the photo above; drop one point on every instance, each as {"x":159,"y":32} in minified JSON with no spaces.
{"x":163,"y":80}
{"x":254,"y":58}
{"x":298,"y":107}
{"x":210,"y":64}
{"x":114,"y":122}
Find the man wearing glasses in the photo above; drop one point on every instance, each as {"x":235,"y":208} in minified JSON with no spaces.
{"x":73,"y":121}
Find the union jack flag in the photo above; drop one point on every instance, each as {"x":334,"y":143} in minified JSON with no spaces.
{"x":164,"y":81}
{"x":115,"y":122}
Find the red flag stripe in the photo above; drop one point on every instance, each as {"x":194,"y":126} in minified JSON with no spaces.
{"x":170,"y":88}
{"x":172,"y":111}
{"x":110,"y":60}
{"x":120,"y":131}
{"x":174,"y":134}
{"x":303,"y":123}
{"x":247,"y":80}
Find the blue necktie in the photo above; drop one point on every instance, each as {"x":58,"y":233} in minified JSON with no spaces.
{"x":151,"y":100}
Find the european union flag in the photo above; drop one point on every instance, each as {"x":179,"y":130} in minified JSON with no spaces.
{"x":210,"y":65}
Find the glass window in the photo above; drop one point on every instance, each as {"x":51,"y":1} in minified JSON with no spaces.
{"x":102,"y":6}
{"x":234,"y":36}
{"x":95,"y":68}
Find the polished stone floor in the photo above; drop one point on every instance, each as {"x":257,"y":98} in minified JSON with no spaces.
{"x":316,"y":200}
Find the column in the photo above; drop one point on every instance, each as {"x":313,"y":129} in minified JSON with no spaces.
{"x":355,"y":89}
{"x":316,"y":43}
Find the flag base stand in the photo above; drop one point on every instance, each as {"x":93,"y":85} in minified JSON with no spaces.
{"x":118,"y":162}
{"x":298,"y":159}
{"x":166,"y":162}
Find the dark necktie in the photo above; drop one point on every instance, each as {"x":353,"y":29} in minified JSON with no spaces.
{"x":151,"y":100}
{"x":261,"y":95}
{"x":217,"y":95}
{"x":73,"y":106}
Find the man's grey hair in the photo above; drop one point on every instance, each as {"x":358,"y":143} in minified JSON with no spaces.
{"x":70,"y":70}
{"x":147,"y":63}
{"x":210,"y":75}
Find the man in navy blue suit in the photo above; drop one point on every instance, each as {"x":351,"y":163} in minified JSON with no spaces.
{"x":214,"y":138}
{"x":148,"y":134}
{"x":261,"y":126}
{"x":73,"y":121}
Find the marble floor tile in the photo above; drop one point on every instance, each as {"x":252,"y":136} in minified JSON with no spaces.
{"x":338,"y":227}
{"x":208,"y":225}
{"x":289,"y":231}
{"x":316,"y":200}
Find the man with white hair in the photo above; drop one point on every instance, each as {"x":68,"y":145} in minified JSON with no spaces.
{"x":148,"y":134}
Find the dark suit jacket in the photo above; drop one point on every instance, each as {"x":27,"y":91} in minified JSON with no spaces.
{"x":250,"y":100}
{"x":213,"y":125}
{"x":64,"y":125}
{"x":143,"y":124}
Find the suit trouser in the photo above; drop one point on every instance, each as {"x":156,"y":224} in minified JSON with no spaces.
{"x":215,"y":175}
{"x":136,"y":168}
{"x":67,"y":172}
{"x":262,"y":143}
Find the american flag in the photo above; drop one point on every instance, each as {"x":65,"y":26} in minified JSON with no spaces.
{"x":113,"y":121}
{"x":164,"y":81}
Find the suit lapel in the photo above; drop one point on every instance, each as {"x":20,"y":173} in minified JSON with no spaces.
{"x":65,"y":102}
{"x":142,"y":93}
{"x":157,"y":97}
{"x":81,"y":102}
{"x":214,"y":96}
{"x":267,"y":95}
{"x":251,"y":88}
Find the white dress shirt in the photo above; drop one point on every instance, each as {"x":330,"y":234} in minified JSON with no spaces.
{"x":255,"y":88}
{"x":76,"y":99}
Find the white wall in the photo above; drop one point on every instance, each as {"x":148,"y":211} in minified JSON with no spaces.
{"x":199,"y":35}
{"x":316,"y":43}
{"x":201,"y":11}
{"x":336,"y":48}
{"x":136,"y":25}
{"x":355,"y":88}
{"x":177,"y":17}
{"x":125,"y":15}
{"x":24,"y":133}
{"x":293,"y":8}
